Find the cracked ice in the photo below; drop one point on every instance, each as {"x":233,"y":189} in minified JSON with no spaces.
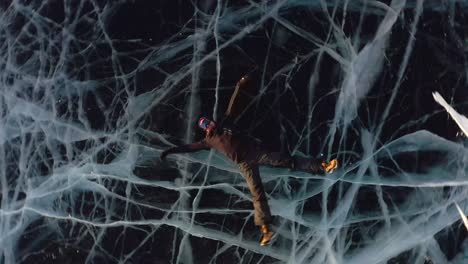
{"x":92,"y":91}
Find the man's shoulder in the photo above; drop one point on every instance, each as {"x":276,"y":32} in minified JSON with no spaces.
{"x":242,"y":136}
{"x":229,"y":131}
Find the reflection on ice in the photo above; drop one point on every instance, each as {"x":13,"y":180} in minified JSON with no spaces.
{"x":91,"y":93}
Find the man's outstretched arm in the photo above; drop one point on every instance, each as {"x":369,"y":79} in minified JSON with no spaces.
{"x":200,"y":145}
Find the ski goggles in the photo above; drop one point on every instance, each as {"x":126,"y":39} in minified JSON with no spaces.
{"x":203,"y":123}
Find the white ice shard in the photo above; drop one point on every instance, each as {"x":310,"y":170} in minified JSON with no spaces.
{"x":463,"y":216}
{"x":461,"y":120}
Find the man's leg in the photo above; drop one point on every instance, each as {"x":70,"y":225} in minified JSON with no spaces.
{"x":308,"y":165}
{"x":282,"y":160}
{"x":276,"y":159}
{"x":262,"y":214}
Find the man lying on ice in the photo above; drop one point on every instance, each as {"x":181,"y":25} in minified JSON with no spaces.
{"x":248,"y":154}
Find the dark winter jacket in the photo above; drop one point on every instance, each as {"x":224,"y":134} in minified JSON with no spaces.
{"x":235,"y":146}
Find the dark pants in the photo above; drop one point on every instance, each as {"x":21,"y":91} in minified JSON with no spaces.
{"x":249,"y":168}
{"x":262,"y":214}
{"x":281,"y":160}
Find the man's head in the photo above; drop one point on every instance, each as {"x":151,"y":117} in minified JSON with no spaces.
{"x":206,"y":124}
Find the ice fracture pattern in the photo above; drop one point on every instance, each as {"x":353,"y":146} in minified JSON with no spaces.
{"x":92,"y":91}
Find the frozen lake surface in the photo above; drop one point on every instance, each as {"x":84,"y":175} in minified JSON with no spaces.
{"x":92,"y":91}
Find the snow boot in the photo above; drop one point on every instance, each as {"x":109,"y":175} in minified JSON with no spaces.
{"x":267,"y":235}
{"x":331,"y":166}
